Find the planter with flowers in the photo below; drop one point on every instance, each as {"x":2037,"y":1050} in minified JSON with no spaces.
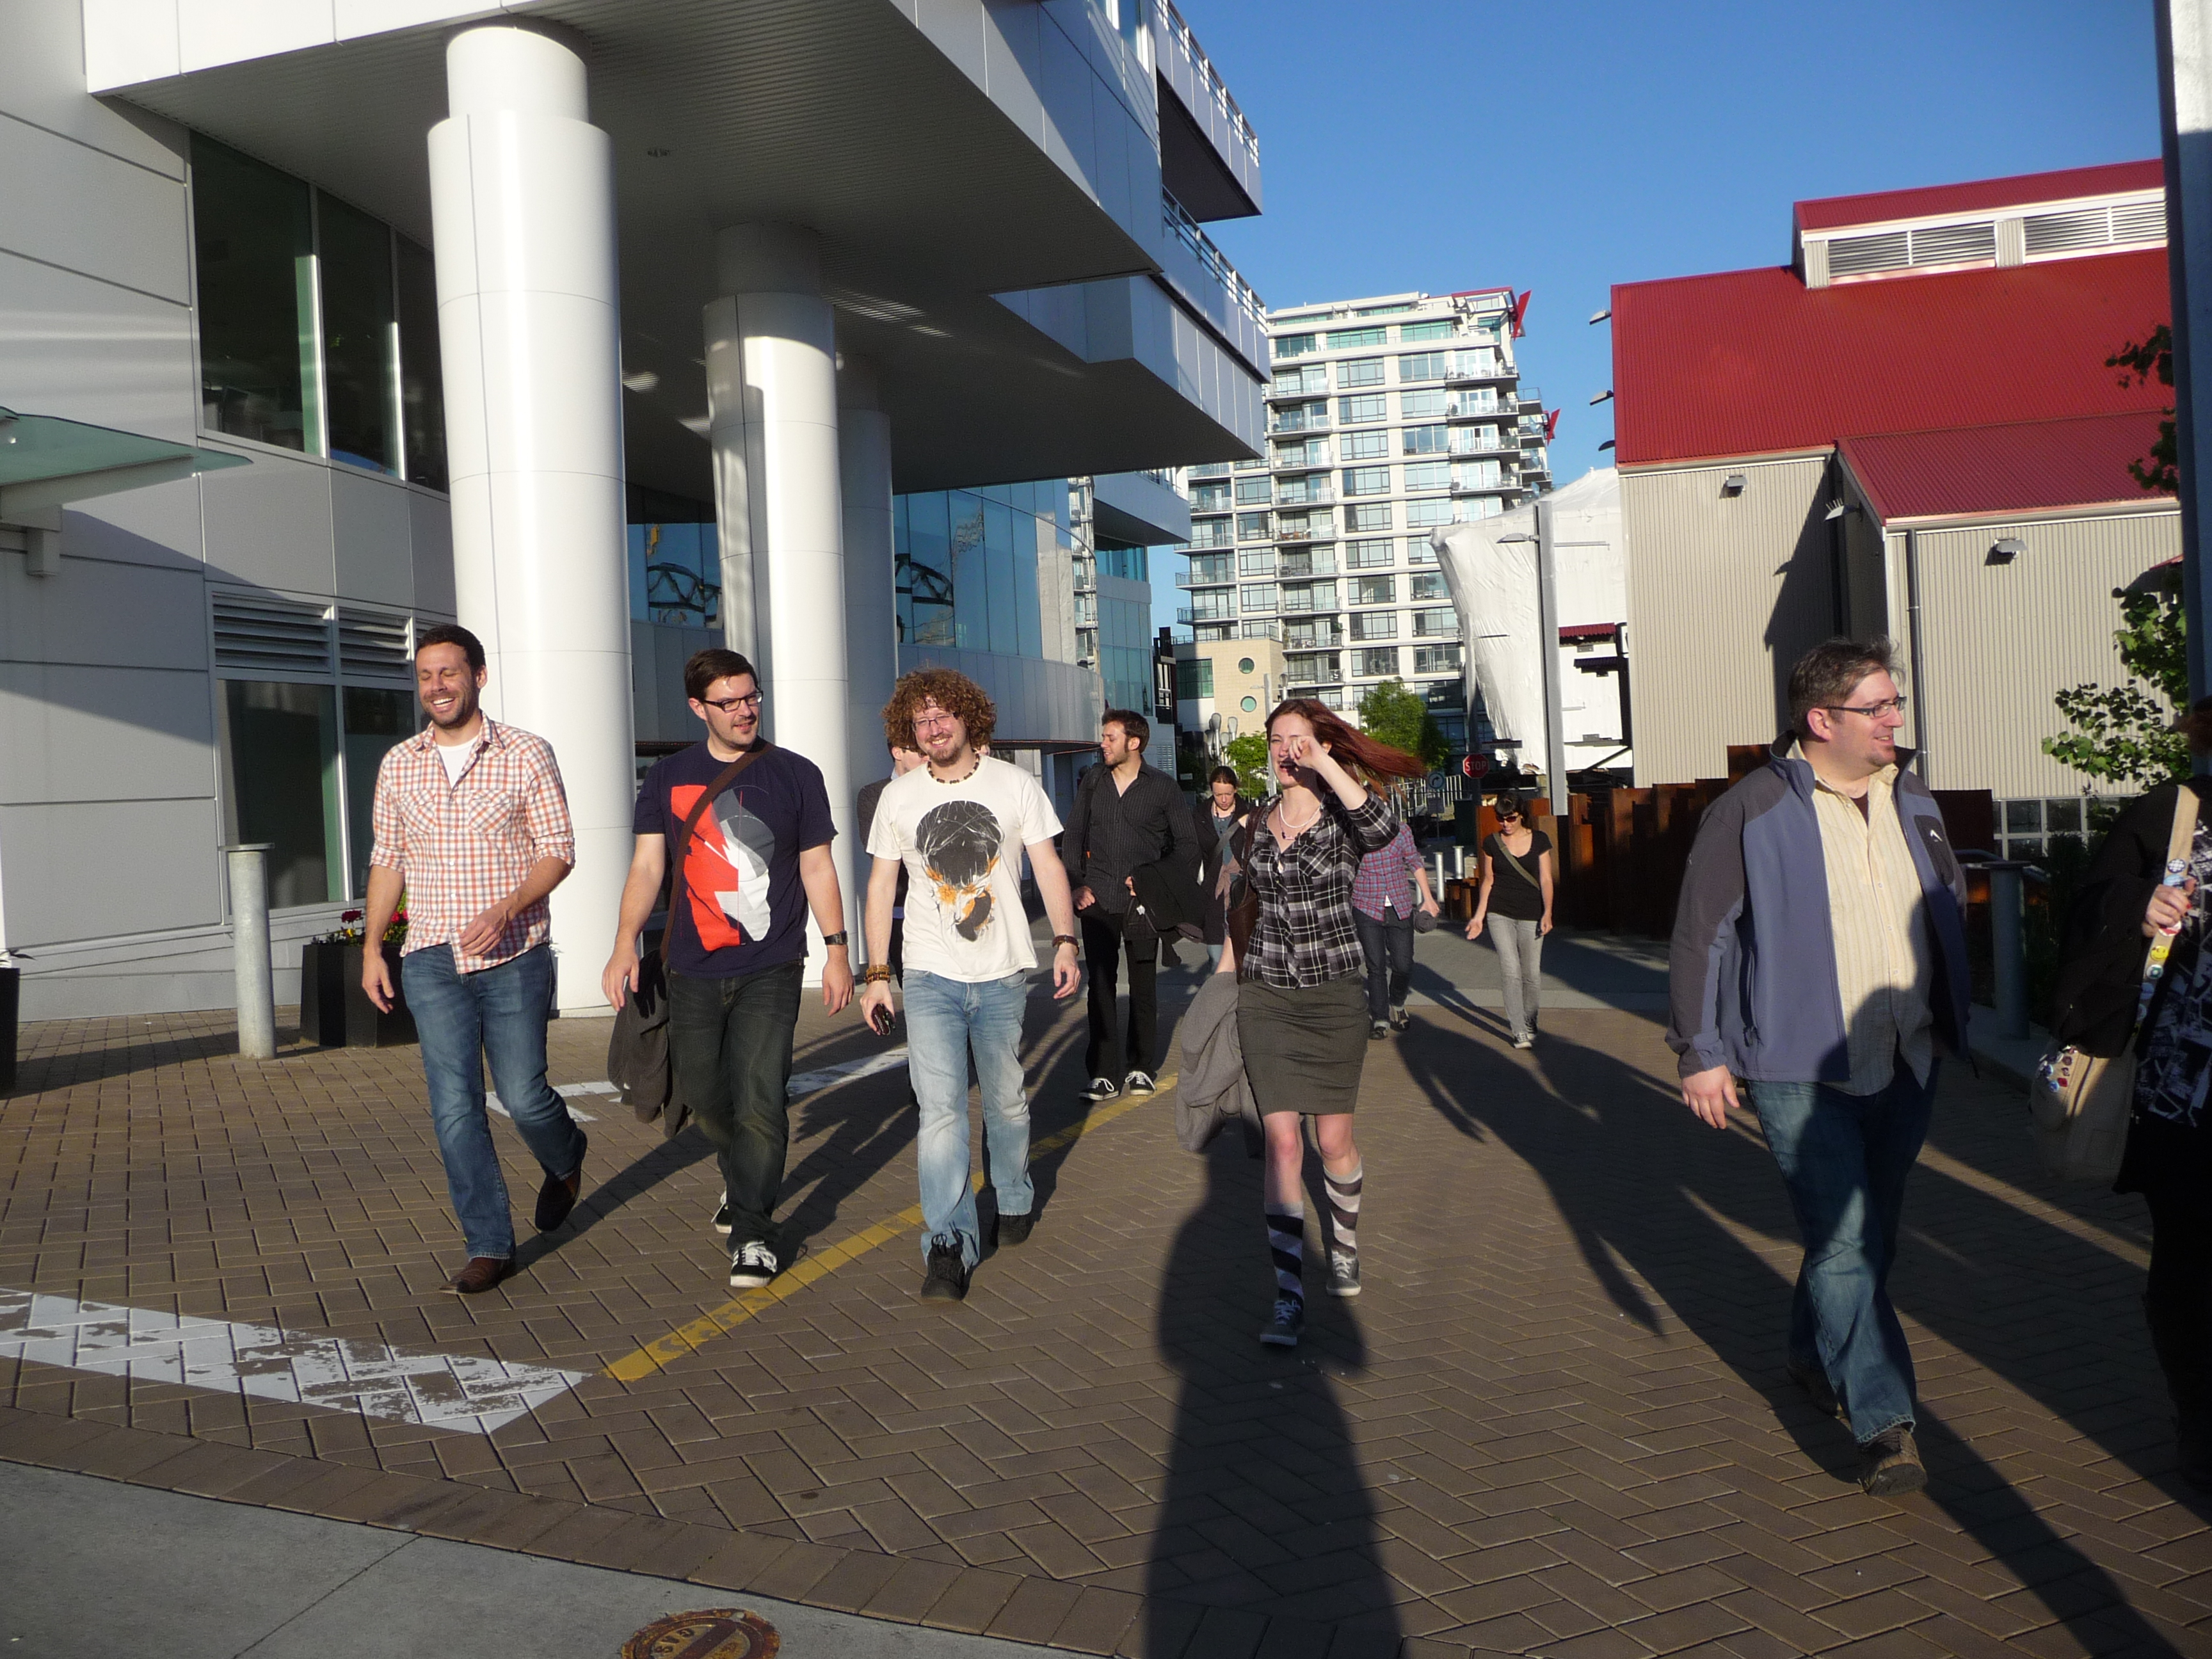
{"x":334,"y":1011}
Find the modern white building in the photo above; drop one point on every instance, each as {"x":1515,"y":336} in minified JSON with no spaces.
{"x":1387,"y":416}
{"x":606,"y":327}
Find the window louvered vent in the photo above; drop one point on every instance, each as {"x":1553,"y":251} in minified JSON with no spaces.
{"x":372,"y":646}
{"x":2098,"y":227}
{"x":1903,"y":250}
{"x":262,"y":633}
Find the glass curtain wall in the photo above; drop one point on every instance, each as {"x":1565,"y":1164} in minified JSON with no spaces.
{"x":675,"y":560}
{"x":282,"y":740}
{"x":967,"y":565}
{"x":317,"y":323}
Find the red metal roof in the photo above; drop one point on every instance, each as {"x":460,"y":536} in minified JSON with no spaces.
{"x":1751,"y":363}
{"x":1981,"y":196}
{"x":2022,"y":466}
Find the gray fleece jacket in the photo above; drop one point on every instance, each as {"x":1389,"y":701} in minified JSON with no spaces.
{"x":1751,"y":973}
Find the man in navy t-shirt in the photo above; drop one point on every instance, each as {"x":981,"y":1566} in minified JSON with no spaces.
{"x":757,"y":858}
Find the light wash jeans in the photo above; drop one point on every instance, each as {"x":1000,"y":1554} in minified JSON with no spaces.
{"x":462,"y":1020}
{"x":945,"y":1020}
{"x":1521,"y":955}
{"x":1844,"y":1158}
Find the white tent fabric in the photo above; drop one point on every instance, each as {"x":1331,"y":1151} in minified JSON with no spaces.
{"x":1494,"y":588}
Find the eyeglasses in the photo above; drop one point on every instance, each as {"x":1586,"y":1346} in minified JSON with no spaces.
{"x":731,"y":705}
{"x":930,"y":722}
{"x":1873,"y":711}
{"x":1508,"y":817}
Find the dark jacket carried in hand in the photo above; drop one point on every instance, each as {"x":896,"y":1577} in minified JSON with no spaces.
{"x":1752,"y":971}
{"x":637,"y":1052}
{"x":1112,"y":834}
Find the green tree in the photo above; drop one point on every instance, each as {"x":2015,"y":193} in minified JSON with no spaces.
{"x":1390,"y":713}
{"x":1248,"y":754}
{"x":2121,"y":732}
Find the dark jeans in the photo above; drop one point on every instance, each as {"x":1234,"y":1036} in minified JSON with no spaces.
{"x":1388,"y":947}
{"x":1844,"y":1158}
{"x":729,"y":1053}
{"x":1102,"y":948}
{"x":462,"y":1020}
{"x":2178,"y":1299}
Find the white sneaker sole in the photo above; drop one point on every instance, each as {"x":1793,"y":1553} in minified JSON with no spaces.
{"x":1344,"y":1290}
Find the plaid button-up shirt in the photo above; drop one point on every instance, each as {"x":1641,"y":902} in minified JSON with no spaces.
{"x":1385,"y":880}
{"x":461,"y":848}
{"x":1305,"y":935}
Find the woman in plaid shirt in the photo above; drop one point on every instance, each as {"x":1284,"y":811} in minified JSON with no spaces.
{"x":1302,"y":998}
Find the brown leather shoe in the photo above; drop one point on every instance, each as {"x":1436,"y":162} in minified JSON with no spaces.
{"x":481,"y":1274}
{"x":1890,"y":1465}
{"x":558,"y":1195}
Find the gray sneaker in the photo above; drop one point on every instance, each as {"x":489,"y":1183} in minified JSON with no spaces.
{"x":1344,"y":1273}
{"x":1288,"y":1322}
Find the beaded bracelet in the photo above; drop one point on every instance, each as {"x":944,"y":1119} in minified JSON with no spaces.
{"x":874,"y":973}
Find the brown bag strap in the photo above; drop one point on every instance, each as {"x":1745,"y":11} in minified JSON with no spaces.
{"x":723,"y":780}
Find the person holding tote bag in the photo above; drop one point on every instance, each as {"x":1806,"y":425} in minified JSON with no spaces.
{"x":1516,"y":903}
{"x":2127,"y":899}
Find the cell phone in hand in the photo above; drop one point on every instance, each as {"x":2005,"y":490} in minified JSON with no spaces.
{"x":881,"y":1019}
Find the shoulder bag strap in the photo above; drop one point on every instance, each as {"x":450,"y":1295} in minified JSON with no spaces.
{"x":723,"y":780}
{"x":1506,"y":856}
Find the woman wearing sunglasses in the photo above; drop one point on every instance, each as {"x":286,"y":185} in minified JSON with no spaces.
{"x":1515,"y":901}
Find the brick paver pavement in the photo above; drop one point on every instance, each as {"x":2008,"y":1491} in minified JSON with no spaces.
{"x":1556,"y":1423}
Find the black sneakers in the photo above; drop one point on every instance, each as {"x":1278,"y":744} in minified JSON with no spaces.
{"x":1890,"y":1465}
{"x":1377,"y":1030}
{"x":1015,"y":1229}
{"x":722,"y":1216}
{"x":947,"y":1277}
{"x":1287,"y":1324}
{"x":1101,"y":1088}
{"x":1139,"y":1083}
{"x":558,"y":1195}
{"x":753,"y":1265}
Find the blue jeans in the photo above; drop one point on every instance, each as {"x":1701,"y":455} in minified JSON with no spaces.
{"x":496,"y":1014}
{"x":1844,"y":1158}
{"x":945,"y":1019}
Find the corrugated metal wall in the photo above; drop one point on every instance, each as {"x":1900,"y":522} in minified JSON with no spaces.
{"x":1998,"y":640}
{"x":1724,"y":593}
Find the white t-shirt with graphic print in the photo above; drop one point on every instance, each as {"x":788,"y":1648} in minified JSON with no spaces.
{"x":962,"y":845}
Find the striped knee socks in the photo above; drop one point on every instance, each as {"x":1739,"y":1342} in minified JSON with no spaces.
{"x":1287,"y":1243}
{"x":1344,"y":1208}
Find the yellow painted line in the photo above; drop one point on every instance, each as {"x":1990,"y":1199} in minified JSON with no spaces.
{"x":687,"y":1338}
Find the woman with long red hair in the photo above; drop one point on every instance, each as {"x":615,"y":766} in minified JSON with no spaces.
{"x":1301,"y":994}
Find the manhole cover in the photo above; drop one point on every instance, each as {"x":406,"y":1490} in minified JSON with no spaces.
{"x":712,"y":1634}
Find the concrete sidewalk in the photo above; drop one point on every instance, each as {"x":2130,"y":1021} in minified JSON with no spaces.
{"x":1555,"y":1424}
{"x":93,"y":1569}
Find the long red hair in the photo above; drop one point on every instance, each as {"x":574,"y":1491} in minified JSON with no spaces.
{"x":1373,"y":763}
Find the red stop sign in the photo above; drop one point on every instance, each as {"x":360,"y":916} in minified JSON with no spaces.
{"x":1474,"y":766}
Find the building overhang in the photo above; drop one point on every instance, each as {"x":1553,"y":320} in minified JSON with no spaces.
{"x":46,"y":462}
{"x":933,"y":172}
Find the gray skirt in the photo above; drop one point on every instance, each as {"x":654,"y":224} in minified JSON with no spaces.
{"x":1304,"y":1045}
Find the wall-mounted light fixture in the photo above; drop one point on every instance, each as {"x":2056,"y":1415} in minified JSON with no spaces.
{"x":1837,"y":508}
{"x":1600,"y":316}
{"x":2006,"y":550}
{"x":1607,"y":444}
{"x":1733,"y":484}
{"x":1602,"y":396}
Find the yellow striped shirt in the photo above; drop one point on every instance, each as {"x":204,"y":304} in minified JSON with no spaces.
{"x":1884,"y":965}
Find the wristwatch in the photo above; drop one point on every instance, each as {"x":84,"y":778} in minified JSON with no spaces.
{"x":841,"y":937}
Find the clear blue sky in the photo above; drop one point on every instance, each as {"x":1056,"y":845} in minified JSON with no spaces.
{"x":1565,"y":145}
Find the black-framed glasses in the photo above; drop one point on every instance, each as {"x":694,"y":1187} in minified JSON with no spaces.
{"x":731,"y":705}
{"x":1873,"y":711}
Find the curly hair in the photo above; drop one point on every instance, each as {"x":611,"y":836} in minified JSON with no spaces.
{"x":953,"y":692}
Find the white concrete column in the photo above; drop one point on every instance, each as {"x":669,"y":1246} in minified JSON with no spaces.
{"x":522,"y":208}
{"x":772,"y":407}
{"x":864,"y":456}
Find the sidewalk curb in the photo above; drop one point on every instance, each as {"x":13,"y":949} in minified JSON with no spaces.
{"x":970,"y":1600}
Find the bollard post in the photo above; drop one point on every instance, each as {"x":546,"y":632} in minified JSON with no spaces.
{"x":249,"y":949}
{"x":2009,"y":942}
{"x":1459,"y":861}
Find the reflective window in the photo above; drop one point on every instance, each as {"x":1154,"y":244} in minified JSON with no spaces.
{"x":1375,"y":625}
{"x":1368,"y":555}
{"x":1422,"y":366}
{"x":1441,"y":329}
{"x":1367,"y":481}
{"x":1375,"y":665}
{"x":1257,"y":596}
{"x":1296,"y":345}
{"x":1194,"y":678}
{"x":1243,"y":664}
{"x":675,"y":560}
{"x":1436,"y":658}
{"x":1428,"y":475}
{"x":1252,"y":526}
{"x":1426,"y":405}
{"x":253,"y":236}
{"x":1428,"y":585}
{"x":361,"y":337}
{"x":374,"y":720}
{"x":1359,"y":371}
{"x":1256,"y":561}
{"x":1210,"y":498}
{"x":1365,"y":446}
{"x":1375,"y":590}
{"x":422,"y":379}
{"x":1368,"y":516}
{"x":971,"y":624}
{"x":999,"y":577}
{"x":1352,"y":411}
{"x":1344,"y":339}
{"x":1420,"y":514}
{"x":924,"y":571}
{"x":1249,"y":491}
{"x":1427,"y":439}
{"x":280,"y":747}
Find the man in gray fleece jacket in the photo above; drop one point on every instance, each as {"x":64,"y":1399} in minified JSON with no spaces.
{"x":1819,"y":954}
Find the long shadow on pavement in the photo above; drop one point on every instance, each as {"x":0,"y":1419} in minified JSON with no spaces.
{"x":1632,"y":1173}
{"x":1264,"y":1503}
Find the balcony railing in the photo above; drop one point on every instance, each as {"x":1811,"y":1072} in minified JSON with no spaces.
{"x":1477,"y":406}
{"x":1472,"y":441}
{"x":1283,"y":387}
{"x":1312,"y":419}
{"x":1179,"y":38}
{"x":1203,"y":579}
{"x":1309,"y":460}
{"x":1481,"y":364}
{"x":1304,"y":492}
{"x":1180,"y":225}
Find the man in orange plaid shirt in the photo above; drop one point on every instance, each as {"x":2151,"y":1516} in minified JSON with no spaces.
{"x":472,"y":825}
